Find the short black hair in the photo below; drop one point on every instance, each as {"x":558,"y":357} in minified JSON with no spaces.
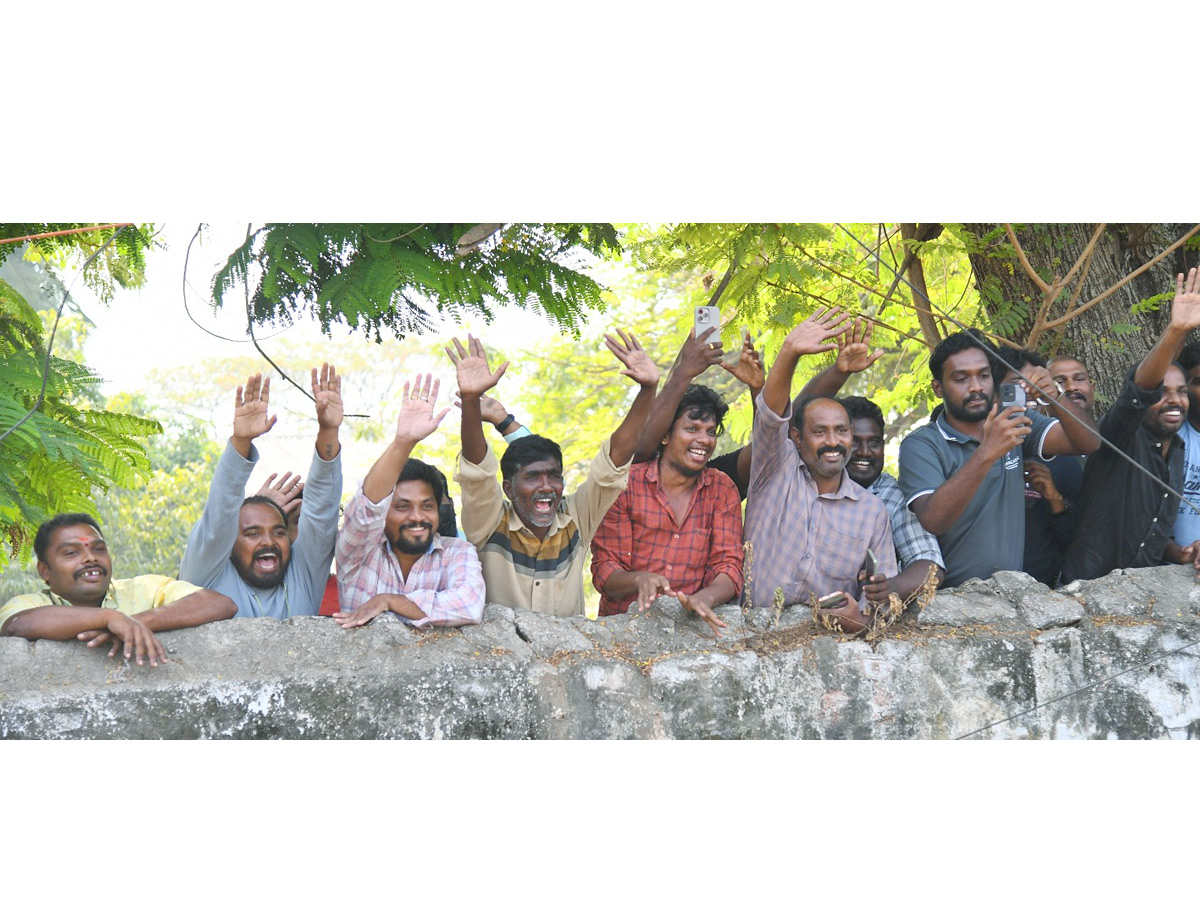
{"x":267,"y":501}
{"x":971,"y":339}
{"x":527,"y":450}
{"x":799,"y":408}
{"x":41,"y":541}
{"x":699,"y":403}
{"x":419,"y":470}
{"x":1017,"y":357}
{"x":862,"y":408}
{"x":1189,"y":356}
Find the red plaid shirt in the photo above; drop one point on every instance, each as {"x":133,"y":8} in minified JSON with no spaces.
{"x":639,"y":534}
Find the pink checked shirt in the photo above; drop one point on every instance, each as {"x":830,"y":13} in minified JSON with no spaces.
{"x":447,"y":582}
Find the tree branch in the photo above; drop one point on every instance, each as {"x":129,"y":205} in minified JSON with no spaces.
{"x":1012,"y":238}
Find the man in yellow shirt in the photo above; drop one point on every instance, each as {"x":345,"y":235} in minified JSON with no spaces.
{"x":82,"y":601}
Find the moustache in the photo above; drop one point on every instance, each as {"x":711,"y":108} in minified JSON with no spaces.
{"x":831,"y":448}
{"x":978,"y":395}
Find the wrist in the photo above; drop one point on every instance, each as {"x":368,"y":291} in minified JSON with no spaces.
{"x":507,"y":424}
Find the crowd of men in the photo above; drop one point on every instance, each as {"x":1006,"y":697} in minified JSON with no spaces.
{"x":1029,"y":483}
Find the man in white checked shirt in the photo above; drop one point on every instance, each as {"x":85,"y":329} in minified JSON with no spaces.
{"x":390,"y":557}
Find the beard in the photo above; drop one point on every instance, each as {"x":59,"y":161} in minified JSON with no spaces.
{"x":263,"y":581}
{"x":402,"y":544}
{"x":969,"y":415}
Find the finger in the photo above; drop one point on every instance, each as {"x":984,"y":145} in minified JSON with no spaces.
{"x":462,"y":352}
{"x":438,"y":418}
{"x":707,"y":335}
{"x":271,"y":422}
{"x":157,"y":648}
{"x":316,"y":387}
{"x":711,"y":618}
{"x":433,"y":394}
{"x":500,"y":371}
{"x":875,"y":355}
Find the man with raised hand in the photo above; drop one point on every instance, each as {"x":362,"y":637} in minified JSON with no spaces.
{"x":1127,"y":520}
{"x":240,"y":546}
{"x":531,"y":539}
{"x":82,"y":600}
{"x":390,"y":556}
{"x":809,"y":526}
{"x":917,"y":550}
{"x":963,"y":473}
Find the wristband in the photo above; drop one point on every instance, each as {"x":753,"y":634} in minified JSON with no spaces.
{"x":505,"y":422}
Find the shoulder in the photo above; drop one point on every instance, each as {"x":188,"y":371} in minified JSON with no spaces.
{"x":928,"y":435}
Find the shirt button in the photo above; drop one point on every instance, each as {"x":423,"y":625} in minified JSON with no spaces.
{"x":1164,"y":496}
{"x":536,"y":583}
{"x":1141,"y":545}
{"x":676,"y":537}
{"x":1155,"y":519}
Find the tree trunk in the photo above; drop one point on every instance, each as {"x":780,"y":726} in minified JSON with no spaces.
{"x":1011,"y":299}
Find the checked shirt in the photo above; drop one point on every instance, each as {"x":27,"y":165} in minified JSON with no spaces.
{"x":639,"y":534}
{"x":805,"y":542}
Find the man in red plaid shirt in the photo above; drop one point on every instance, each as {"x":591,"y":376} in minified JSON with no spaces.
{"x":677,"y":528}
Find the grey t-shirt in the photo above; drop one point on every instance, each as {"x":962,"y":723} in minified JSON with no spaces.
{"x":1187,"y":523}
{"x":206,"y":560}
{"x":989,"y":536}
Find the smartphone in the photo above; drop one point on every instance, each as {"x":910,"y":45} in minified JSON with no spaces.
{"x":1011,"y":394}
{"x":837,"y":598}
{"x":707,"y":318}
{"x":870,"y":564}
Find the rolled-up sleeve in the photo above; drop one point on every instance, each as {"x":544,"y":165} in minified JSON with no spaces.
{"x":461,"y":601}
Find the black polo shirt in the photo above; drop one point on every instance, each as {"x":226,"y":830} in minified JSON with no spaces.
{"x":1125,"y":519}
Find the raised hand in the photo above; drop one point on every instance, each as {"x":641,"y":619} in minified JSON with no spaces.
{"x":638,"y":365}
{"x":749,"y":368}
{"x":698,"y":353}
{"x":854,"y":348}
{"x":250,"y":419}
{"x":818,"y":333}
{"x":1040,"y":385}
{"x":287,"y":493}
{"x":417,"y":419}
{"x":490,"y":409}
{"x":1185,"y":308}
{"x":475,"y":376}
{"x":327,"y":392}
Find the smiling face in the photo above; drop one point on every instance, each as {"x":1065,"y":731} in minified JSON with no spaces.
{"x":412,"y":519}
{"x":689,"y":445}
{"x":536,"y":491}
{"x":824,"y":442}
{"x":262,"y":550}
{"x":866,"y":452}
{"x":966,"y":386}
{"x":1167,"y":416}
{"x":1072,"y":376}
{"x":77,"y":567}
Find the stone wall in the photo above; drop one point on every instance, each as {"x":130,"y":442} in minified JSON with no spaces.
{"x":977,"y":655}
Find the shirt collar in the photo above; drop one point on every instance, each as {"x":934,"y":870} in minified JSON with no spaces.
{"x":950,"y":433}
{"x":845,"y":489}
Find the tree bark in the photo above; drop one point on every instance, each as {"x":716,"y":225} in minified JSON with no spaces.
{"x":1052,"y":250}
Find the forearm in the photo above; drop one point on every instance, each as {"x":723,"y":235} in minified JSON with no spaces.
{"x":621,"y":584}
{"x":1078,"y":429}
{"x":625,"y":439}
{"x":909,"y":581}
{"x":328,"y":444}
{"x":1150,"y":371}
{"x":778,"y":386}
{"x":57,"y":623}
{"x":941,"y":509}
{"x":381,"y":479}
{"x":825,"y":383}
{"x":662,"y":412}
{"x":402,"y":606}
{"x":720,"y":590}
{"x":197,"y":608}
{"x":474,"y":444}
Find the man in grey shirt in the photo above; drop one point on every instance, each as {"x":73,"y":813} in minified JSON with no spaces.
{"x":240,"y":547}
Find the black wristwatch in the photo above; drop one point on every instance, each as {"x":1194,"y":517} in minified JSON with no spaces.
{"x":505,"y":422}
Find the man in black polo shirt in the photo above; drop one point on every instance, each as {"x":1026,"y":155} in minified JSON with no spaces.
{"x":962,"y":474}
{"x":1126,"y":520}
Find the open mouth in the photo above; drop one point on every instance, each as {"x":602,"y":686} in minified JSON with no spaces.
{"x":699,"y":454}
{"x":859,"y":464}
{"x":544,"y":504}
{"x":267,"y":560}
{"x":1172,"y":414}
{"x":91,"y":574}
{"x":418,"y":529}
{"x":830,"y":455}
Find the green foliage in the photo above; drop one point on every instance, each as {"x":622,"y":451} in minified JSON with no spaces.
{"x":66,"y":448}
{"x":400,"y":277}
{"x":122,"y":263}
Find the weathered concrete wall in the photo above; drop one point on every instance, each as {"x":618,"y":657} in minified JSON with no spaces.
{"x":977,"y":655}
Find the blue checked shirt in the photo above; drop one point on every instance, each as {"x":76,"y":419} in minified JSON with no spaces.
{"x":912,"y":541}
